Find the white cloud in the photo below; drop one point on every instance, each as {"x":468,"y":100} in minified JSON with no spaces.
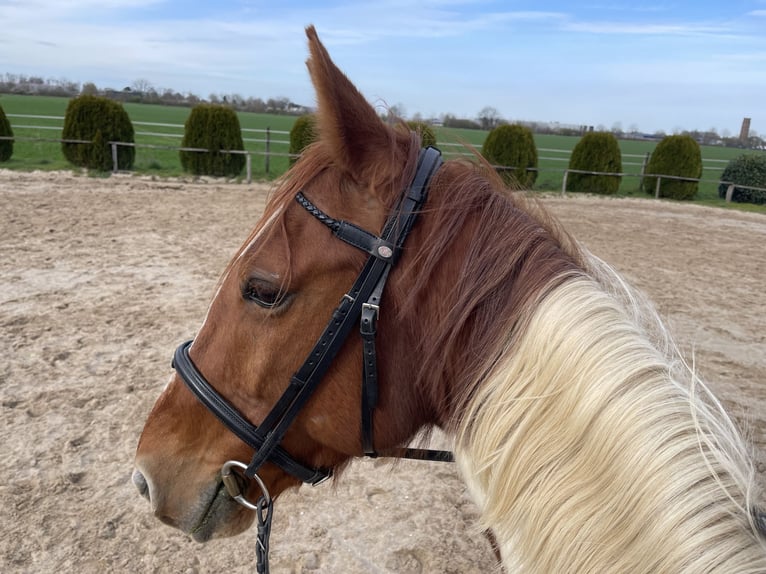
{"x":645,"y":29}
{"x":745,"y":57}
{"x":69,"y":9}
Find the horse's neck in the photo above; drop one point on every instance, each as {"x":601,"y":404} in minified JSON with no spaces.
{"x":481,"y":260}
{"x":584,"y":454}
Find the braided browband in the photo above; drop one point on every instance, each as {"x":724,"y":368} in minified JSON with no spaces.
{"x":333,"y":224}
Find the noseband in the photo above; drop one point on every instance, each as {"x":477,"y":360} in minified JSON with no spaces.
{"x":361,"y":303}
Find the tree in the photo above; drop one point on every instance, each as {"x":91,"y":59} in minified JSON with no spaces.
{"x":426,"y":133}
{"x":97,"y":120}
{"x":302,"y":134}
{"x":141,"y":85}
{"x":216,"y":129}
{"x":746,"y":170}
{"x":395,"y":113}
{"x":6,"y":145}
{"x":277,"y":105}
{"x":676,"y":155}
{"x":512,"y":147}
{"x":596,"y":151}
{"x":489,"y":118}
{"x":451,"y":121}
{"x":89,"y":89}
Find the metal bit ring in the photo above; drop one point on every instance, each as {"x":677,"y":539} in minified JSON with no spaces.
{"x":232,"y":485}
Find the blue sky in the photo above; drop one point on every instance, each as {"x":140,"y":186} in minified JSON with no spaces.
{"x":686,"y":64}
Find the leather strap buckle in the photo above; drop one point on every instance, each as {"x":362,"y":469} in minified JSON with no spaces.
{"x":368,"y":325}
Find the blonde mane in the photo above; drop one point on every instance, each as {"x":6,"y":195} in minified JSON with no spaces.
{"x":592,"y":447}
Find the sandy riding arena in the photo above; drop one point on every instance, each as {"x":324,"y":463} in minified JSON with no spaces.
{"x":100,"y":279}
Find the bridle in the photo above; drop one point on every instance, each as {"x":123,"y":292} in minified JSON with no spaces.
{"x":361,"y":303}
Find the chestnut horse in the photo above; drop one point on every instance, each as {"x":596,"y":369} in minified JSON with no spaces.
{"x":587,"y":444}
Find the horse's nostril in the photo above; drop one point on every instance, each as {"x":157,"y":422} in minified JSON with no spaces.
{"x":140,"y":482}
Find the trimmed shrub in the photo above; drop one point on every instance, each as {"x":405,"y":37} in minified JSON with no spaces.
{"x":98,"y":120}
{"x":679,"y":156}
{"x":216,"y":129}
{"x":6,"y":146}
{"x":512,"y":146}
{"x":596,"y":151}
{"x":427,"y":135}
{"x":302,"y":134}
{"x":745,"y":170}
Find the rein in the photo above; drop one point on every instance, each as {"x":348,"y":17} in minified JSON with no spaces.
{"x":361,"y":303}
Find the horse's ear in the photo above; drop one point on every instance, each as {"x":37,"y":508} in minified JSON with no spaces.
{"x":348,"y":125}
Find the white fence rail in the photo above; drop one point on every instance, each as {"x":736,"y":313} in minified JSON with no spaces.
{"x":267,"y":139}
{"x":729,"y":185}
{"x":448,"y":149}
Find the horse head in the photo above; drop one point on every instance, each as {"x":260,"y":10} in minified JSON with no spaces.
{"x":272,"y":303}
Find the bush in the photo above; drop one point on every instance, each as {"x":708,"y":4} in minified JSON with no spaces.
{"x":302,"y":134}
{"x":596,"y":151}
{"x":745,"y":170}
{"x":427,"y":135}
{"x":6,"y":146}
{"x":216,"y":129}
{"x":512,"y":146}
{"x":97,"y":120}
{"x":679,"y":156}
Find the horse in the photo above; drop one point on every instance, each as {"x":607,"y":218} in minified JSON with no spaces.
{"x":585,"y":440}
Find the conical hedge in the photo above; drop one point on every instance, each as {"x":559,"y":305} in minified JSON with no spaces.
{"x":680,"y":156}
{"x":596,"y":151}
{"x":216,"y":129}
{"x":513,"y":146}
{"x":97,"y":120}
{"x":6,"y":145}
{"x":426,"y":132}
{"x":303,"y":133}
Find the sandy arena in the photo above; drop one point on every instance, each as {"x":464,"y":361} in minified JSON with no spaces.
{"x":100,"y":279}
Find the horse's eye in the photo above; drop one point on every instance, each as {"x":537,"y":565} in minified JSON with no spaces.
{"x":263,"y":293}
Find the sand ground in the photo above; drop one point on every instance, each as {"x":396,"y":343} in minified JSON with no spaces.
{"x":100,"y":279}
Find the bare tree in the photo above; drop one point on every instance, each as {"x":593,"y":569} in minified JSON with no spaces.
{"x":396,"y":112}
{"x":488,"y":118}
{"x":141,"y":85}
{"x":89,"y":89}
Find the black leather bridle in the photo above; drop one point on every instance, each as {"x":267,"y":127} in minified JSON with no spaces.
{"x":361,"y":303}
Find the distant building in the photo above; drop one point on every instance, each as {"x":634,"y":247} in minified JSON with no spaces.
{"x":744,"y":132}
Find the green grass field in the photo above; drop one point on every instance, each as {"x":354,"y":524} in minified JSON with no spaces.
{"x":552,"y":149}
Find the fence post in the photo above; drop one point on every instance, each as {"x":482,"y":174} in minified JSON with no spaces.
{"x":643,"y":171}
{"x":729,"y":192}
{"x":268,"y":148}
{"x":249,"y":167}
{"x":115,"y":164}
{"x":564,"y":182}
{"x":657,"y":187}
